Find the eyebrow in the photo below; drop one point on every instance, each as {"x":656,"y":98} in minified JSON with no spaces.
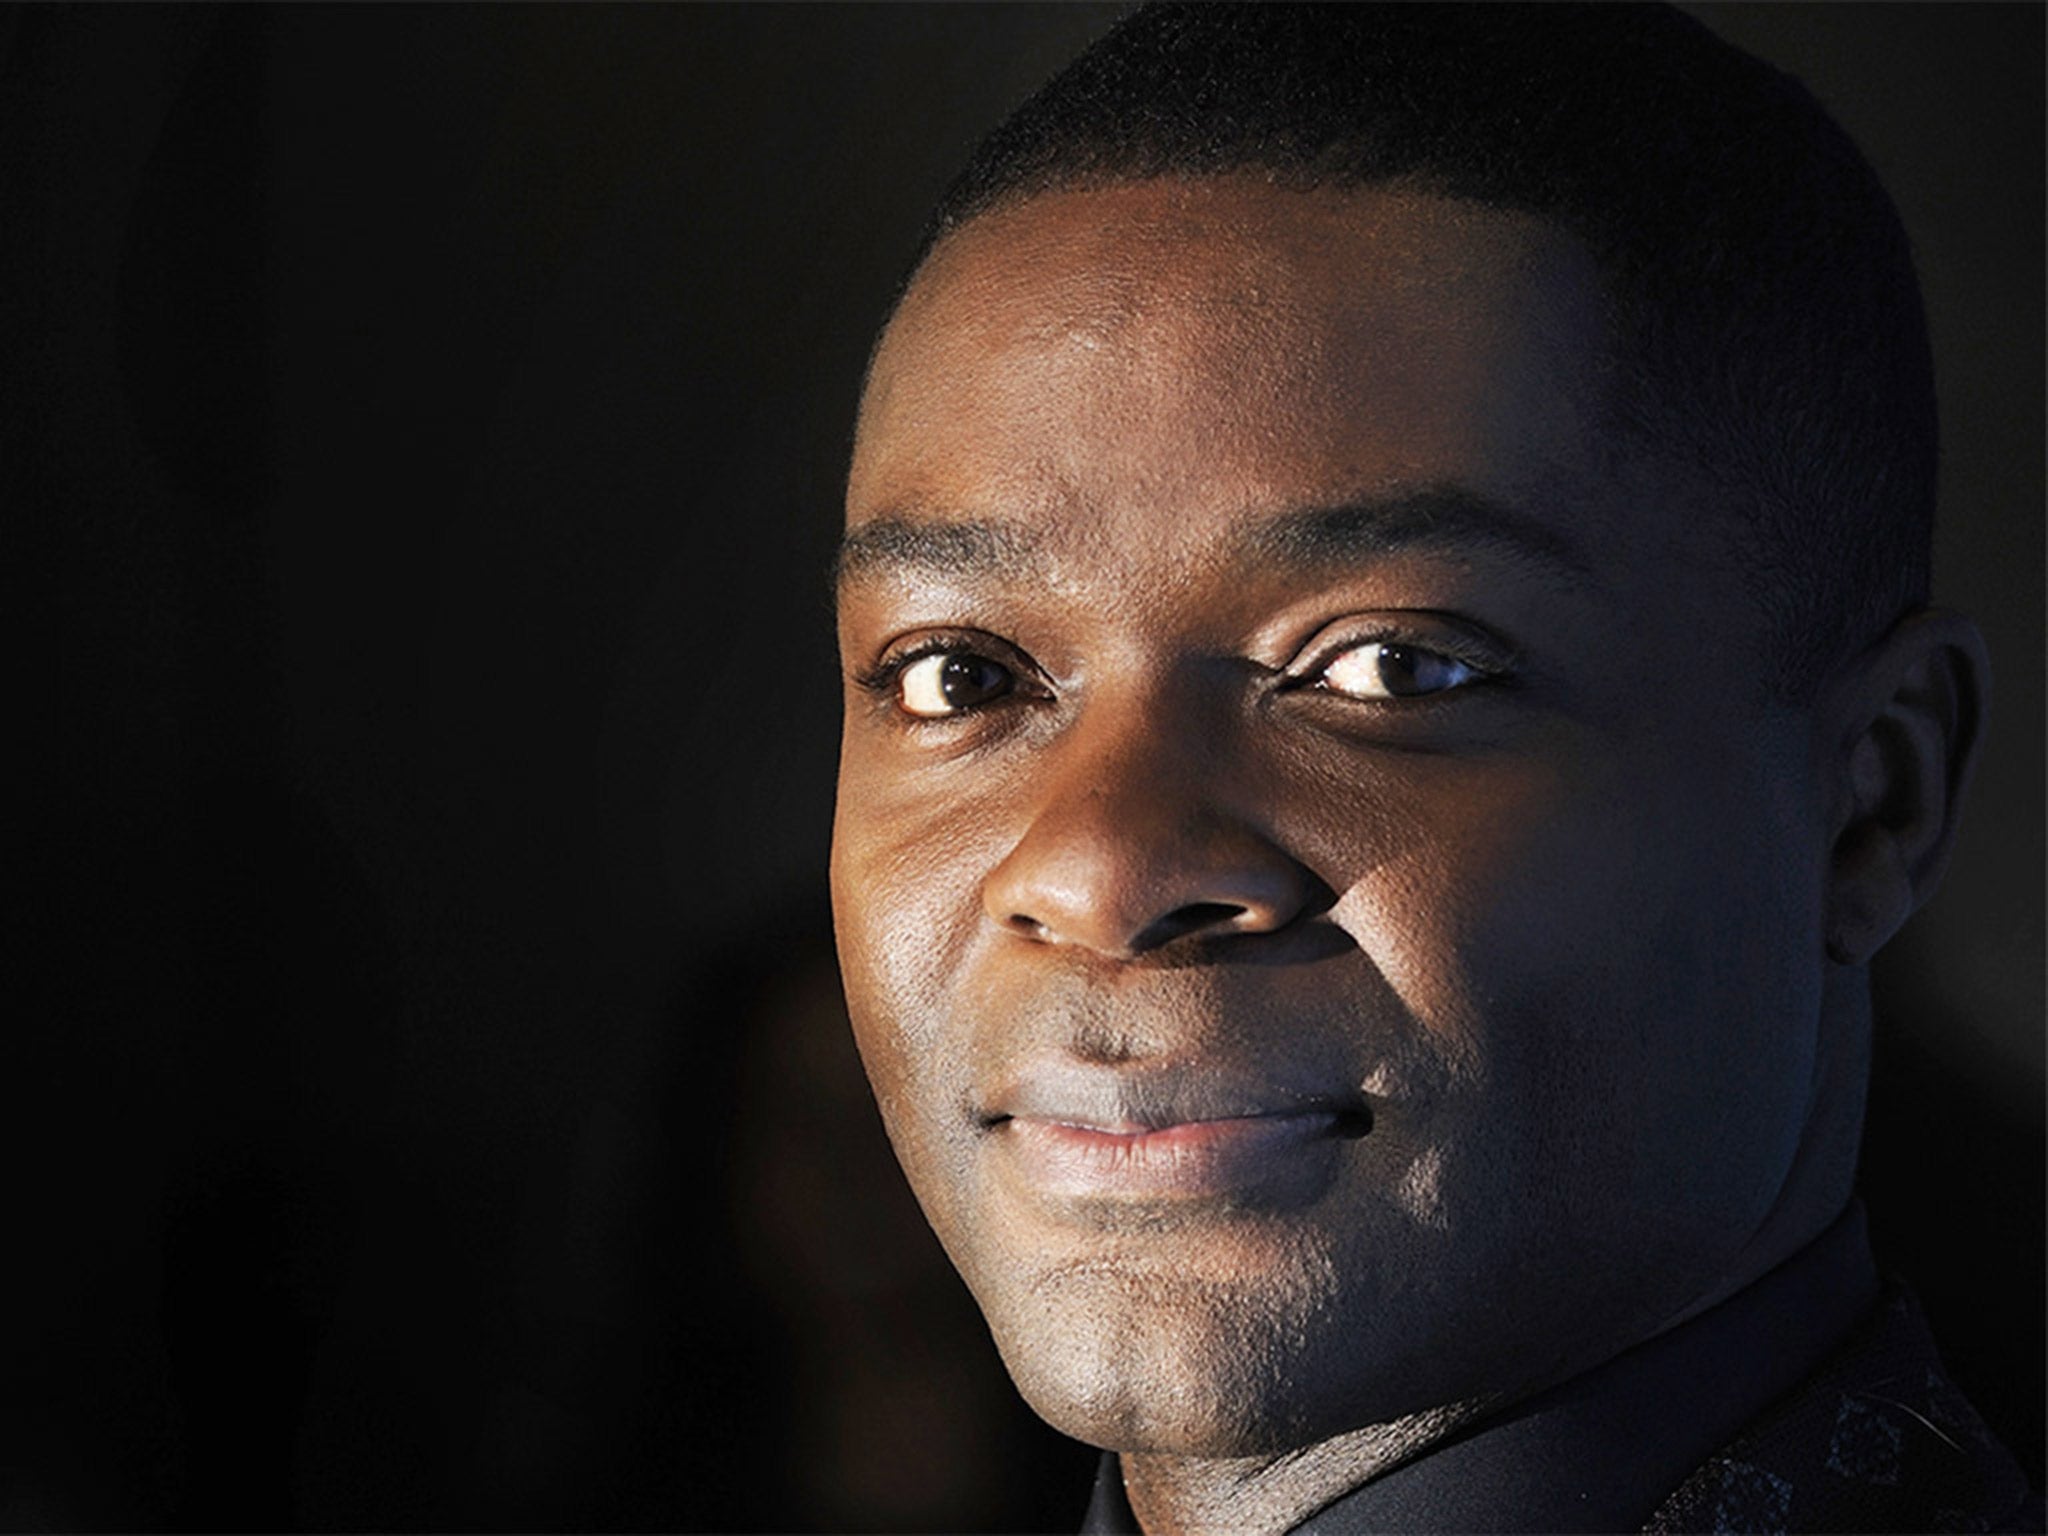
{"x":1447,"y":518}
{"x":933,"y":547}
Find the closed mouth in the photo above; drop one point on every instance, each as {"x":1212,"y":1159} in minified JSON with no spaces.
{"x":1095,"y":1159}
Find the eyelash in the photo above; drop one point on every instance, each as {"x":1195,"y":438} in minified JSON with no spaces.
{"x":882,"y":678}
{"x":1488,"y":663}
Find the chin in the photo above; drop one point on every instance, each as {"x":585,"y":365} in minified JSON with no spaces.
{"x":1201,"y":1409}
{"x":1172,"y":1368}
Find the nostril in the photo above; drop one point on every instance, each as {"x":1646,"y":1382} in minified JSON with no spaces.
{"x":1195,"y":917}
{"x":1028,"y":927}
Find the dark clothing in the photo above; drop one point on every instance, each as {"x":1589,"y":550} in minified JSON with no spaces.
{"x":1812,"y":1401}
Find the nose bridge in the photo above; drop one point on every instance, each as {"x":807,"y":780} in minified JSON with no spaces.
{"x":1139,"y":833}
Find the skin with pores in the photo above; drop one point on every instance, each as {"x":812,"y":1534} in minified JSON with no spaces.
{"x":1340,"y":930}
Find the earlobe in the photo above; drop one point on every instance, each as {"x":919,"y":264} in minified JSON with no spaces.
{"x":1911,"y":714}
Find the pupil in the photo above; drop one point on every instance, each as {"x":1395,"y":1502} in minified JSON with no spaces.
{"x":1399,"y":665}
{"x":967,"y":680}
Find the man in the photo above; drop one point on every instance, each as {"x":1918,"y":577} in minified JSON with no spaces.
{"x":1391,"y":701}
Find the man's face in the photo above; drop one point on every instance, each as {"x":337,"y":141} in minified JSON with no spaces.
{"x":1330,"y":916}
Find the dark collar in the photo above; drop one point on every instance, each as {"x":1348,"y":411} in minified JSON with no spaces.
{"x":1601,"y":1451}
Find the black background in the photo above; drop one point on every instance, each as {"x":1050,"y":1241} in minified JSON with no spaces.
{"x":422,"y":439}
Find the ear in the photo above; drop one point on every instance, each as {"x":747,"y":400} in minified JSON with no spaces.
{"x":1907,"y":716}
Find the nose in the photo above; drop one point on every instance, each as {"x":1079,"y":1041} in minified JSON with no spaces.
{"x":1131,"y":845}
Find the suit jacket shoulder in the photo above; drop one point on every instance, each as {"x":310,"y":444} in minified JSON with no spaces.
{"x":1878,"y":1439}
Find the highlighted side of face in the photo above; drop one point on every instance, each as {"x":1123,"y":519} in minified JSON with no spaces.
{"x":1328,"y":912}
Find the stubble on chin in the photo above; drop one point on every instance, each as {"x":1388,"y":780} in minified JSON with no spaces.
{"x":1150,"y":1352}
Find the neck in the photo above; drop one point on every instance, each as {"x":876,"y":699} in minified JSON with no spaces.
{"x":1190,"y":1496}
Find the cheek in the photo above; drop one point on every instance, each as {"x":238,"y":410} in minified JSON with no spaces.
{"x":1610,"y":956}
{"x":905,"y":898}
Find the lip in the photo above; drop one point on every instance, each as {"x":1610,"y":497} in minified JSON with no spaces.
{"x":1075,"y":1133}
{"x":1195,"y":1159}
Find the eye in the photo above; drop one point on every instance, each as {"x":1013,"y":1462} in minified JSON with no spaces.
{"x":1387,"y":669}
{"x":950,"y":683}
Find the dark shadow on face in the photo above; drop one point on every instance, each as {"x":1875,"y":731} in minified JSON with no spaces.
{"x":1300,"y":588}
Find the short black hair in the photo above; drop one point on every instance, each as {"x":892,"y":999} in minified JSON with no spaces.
{"x":1766,"y":314}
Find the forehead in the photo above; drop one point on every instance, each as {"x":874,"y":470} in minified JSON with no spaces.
{"x":1094,"y":359}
